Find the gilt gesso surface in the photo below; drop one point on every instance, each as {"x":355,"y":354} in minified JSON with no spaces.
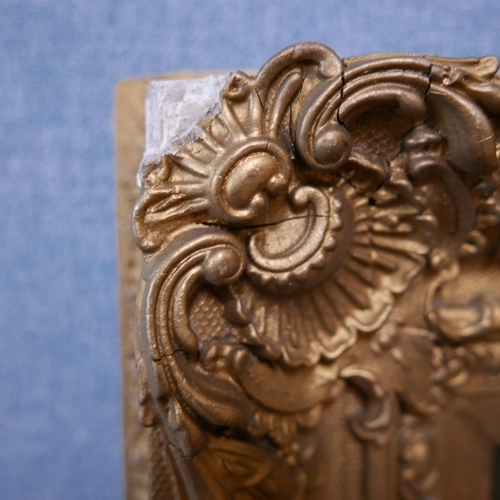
{"x":309,"y":243}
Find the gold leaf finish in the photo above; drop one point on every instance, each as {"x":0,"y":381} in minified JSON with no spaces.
{"x":329,"y":243}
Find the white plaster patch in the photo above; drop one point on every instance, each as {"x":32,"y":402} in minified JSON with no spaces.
{"x":173,"y":111}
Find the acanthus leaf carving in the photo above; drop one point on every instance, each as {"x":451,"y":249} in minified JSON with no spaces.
{"x":283,"y":246}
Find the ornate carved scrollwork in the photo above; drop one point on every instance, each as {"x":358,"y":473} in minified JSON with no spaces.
{"x":305,"y":246}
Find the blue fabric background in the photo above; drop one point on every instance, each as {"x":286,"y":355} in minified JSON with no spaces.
{"x":60,"y":415}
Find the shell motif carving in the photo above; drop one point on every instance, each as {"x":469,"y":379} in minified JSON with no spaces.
{"x":299,"y":248}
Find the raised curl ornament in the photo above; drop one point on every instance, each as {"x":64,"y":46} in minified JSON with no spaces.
{"x":319,"y":283}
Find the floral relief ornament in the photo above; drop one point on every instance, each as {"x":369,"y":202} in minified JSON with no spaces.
{"x":299,"y":248}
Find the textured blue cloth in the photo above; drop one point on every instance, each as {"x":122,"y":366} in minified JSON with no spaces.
{"x":60,"y":409}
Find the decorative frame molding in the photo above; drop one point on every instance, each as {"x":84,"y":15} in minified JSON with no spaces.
{"x":319,"y":278}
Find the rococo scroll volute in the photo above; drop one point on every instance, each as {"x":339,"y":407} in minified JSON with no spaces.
{"x":313,"y":251}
